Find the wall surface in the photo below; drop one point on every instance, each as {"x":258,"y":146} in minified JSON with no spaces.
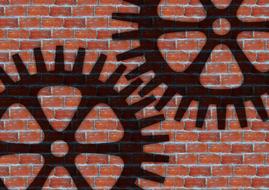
{"x":199,"y":158}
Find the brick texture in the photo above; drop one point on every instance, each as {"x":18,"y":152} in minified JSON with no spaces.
{"x":199,"y":158}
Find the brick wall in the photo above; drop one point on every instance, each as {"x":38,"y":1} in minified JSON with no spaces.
{"x":204,"y":158}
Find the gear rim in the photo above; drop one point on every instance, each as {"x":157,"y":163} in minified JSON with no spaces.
{"x":151,"y":26}
{"x":93,"y":92}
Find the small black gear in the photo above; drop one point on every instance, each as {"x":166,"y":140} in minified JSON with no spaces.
{"x":94,"y":91}
{"x":151,"y":26}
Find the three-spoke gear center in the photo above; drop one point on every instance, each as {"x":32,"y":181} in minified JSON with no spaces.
{"x":59,"y":148}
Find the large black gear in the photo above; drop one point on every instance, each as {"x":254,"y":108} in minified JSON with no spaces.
{"x":151,"y":26}
{"x":94,"y":91}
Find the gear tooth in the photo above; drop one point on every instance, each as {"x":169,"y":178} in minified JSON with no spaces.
{"x":116,"y":75}
{"x":22,"y":70}
{"x":39,"y":59}
{"x":59,"y":59}
{"x":136,"y":52}
{"x":127,"y":91}
{"x":145,"y":122}
{"x":152,"y":176}
{"x":97,"y":68}
{"x":258,"y":104}
{"x":4,"y":77}
{"x":2,"y":185}
{"x":155,"y":158}
{"x":134,"y":2}
{"x":137,"y":72}
{"x":79,"y":61}
{"x":182,"y":108}
{"x":241,"y":114}
{"x":131,"y":35}
{"x":155,"y":139}
{"x":143,"y":103}
{"x":154,"y":83}
{"x":128,"y":17}
{"x":166,"y":97}
{"x":127,"y":180}
{"x":201,"y":115}
{"x":221,"y":115}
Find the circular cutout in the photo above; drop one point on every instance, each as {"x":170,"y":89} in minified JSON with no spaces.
{"x":59,"y":148}
{"x":221,"y":26}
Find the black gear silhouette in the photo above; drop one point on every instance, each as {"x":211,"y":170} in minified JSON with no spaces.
{"x":152,"y":26}
{"x":94,"y":91}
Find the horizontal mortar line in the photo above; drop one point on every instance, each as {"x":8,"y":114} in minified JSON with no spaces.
{"x":216,"y":153}
{"x":211,"y":165}
{"x":58,"y":16}
{"x":213,"y":143}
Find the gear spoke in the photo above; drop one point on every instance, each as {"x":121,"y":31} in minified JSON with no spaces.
{"x":207,"y":4}
{"x":77,"y":177}
{"x":7,"y":148}
{"x":131,"y":35}
{"x":36,"y":111}
{"x":234,"y":5}
{"x":102,"y":148}
{"x":169,"y":26}
{"x":84,"y":108}
{"x":41,"y":178}
{"x":255,"y":26}
{"x":243,"y":62}
{"x":129,"y":17}
{"x":154,"y":139}
{"x":198,"y":64}
{"x":127,"y":181}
